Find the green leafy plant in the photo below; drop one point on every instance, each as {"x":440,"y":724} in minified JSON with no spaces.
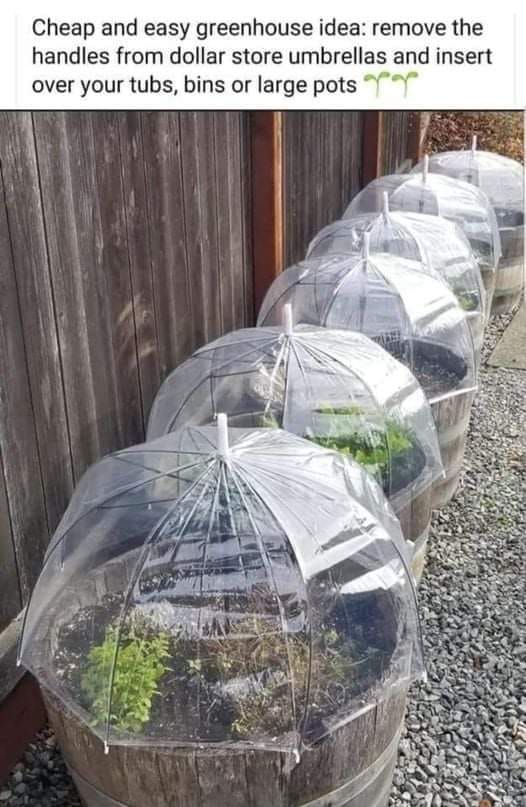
{"x":467,"y":300}
{"x":377,"y":79}
{"x":405,"y":79}
{"x":139,"y":666}
{"x":375,"y":446}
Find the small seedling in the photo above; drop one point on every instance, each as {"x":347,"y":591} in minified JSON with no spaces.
{"x":133,"y":666}
{"x":405,"y":79}
{"x":377,"y":79}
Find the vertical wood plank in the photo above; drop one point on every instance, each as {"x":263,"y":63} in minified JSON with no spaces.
{"x":267,"y":200}
{"x":198,"y":170}
{"x":10,"y":599}
{"x":166,"y":217}
{"x":34,"y":438}
{"x":230,"y":235}
{"x":79,"y":161}
{"x":245,"y":207}
{"x":372,"y":145}
{"x":139,"y":253}
{"x":119,"y":320}
{"x":322,"y":170}
{"x":418,"y":125}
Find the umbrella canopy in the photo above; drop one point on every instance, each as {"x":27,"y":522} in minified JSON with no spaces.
{"x":223,"y":586}
{"x":337,"y":388}
{"x":394,"y":301}
{"x":434,"y":241}
{"x":501,"y":178}
{"x":437,"y":195}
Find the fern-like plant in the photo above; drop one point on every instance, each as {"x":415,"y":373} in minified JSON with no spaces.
{"x":137,"y":664}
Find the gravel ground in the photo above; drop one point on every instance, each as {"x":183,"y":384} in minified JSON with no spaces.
{"x":465,"y":739}
{"x":465,"y":736}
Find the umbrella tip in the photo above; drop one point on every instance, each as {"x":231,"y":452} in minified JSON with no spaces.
{"x":474,"y":143}
{"x":106,"y":748}
{"x":222,"y":435}
{"x":366,"y":246}
{"x":288,"y":322}
{"x":425,"y":168}
{"x":385,"y":202}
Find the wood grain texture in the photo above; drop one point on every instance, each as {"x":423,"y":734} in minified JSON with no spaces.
{"x":186,"y":778}
{"x":23,"y":205}
{"x":124,"y":245}
{"x":11,"y":597}
{"x":267,"y":200}
{"x":322,"y":153}
{"x":24,"y":515}
{"x":397,"y":152}
{"x":451,"y":417}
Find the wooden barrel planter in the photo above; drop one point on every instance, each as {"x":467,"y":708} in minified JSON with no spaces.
{"x":510,"y":272}
{"x":489,"y":279}
{"x":414,"y":515}
{"x":351,"y":767}
{"x":408,"y":487}
{"x":452,"y":421}
{"x":477,"y":324}
{"x":441,"y":375}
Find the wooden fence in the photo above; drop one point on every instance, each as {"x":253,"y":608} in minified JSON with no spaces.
{"x":328,"y":157}
{"x":124,"y":245}
{"x":128,"y":239}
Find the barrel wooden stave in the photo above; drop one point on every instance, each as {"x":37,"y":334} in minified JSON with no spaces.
{"x":451,"y":417}
{"x":489,"y":280}
{"x":137,"y":775}
{"x":414,"y":515}
{"x":509,"y":286}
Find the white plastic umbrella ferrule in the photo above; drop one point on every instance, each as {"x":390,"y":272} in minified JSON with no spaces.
{"x":223,"y":448}
{"x":288,"y":322}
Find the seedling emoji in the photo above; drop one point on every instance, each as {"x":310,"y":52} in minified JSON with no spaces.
{"x":405,"y":79}
{"x":377,"y":79}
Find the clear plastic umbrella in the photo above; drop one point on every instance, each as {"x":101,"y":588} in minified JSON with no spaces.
{"x":437,"y":195}
{"x":402,"y":307}
{"x":223,"y":586}
{"x":432,"y":240}
{"x":502,"y":180}
{"x":336,"y":388}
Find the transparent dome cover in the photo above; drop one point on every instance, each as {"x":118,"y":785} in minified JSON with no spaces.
{"x":224,"y":586}
{"x":437,"y":195}
{"x":501,"y":178}
{"x":432,"y":240}
{"x":394,"y":301}
{"x":336,"y":388}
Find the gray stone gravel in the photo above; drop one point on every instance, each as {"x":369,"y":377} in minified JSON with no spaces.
{"x":40,"y":779}
{"x":465,"y":739}
{"x":464,"y":743}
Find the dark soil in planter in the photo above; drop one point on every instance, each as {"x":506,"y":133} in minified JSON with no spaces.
{"x":437,"y":368}
{"x":224,"y":688}
{"x":509,"y":218}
